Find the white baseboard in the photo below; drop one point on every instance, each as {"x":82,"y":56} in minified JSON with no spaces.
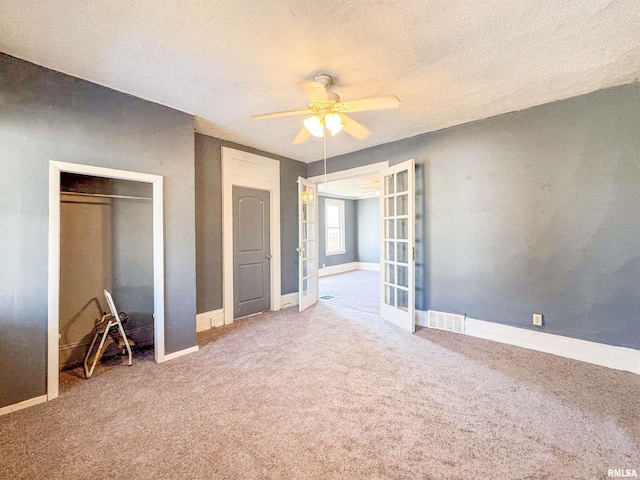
{"x":207,"y":320}
{"x":24,"y":404}
{"x":347,"y":267}
{"x":421,"y":318}
{"x":333,"y":269}
{"x":374,"y":267}
{"x":180,"y":353}
{"x":289,"y":300}
{"x":618,"y":358}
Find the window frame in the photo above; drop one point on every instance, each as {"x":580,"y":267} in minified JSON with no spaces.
{"x":341,"y":210}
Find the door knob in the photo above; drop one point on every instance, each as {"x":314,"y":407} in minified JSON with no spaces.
{"x":268,"y":257}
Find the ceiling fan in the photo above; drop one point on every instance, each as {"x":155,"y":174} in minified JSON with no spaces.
{"x":328,"y":112}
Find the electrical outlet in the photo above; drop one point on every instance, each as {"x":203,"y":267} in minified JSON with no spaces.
{"x":537,"y":319}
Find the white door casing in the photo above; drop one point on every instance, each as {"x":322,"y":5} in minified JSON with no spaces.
{"x":307,"y":244}
{"x":397,"y":245}
{"x":253,"y":171}
{"x":55,"y":169}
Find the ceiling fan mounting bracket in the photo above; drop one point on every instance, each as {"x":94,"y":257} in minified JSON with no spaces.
{"x":323,"y":78}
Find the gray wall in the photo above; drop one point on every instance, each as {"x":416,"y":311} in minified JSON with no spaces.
{"x":368,"y":225}
{"x":85,"y":270}
{"x":532,"y":211}
{"x":132,"y":257}
{"x":44,"y":116}
{"x":350,"y":234}
{"x":208,"y":155}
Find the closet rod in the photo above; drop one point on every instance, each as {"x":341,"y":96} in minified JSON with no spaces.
{"x":104,"y":195}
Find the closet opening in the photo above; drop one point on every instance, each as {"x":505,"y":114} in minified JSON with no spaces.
{"x":106,"y":243}
{"x":106,"y":234}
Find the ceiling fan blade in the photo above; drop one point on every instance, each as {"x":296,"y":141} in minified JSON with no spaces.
{"x":288,"y":113}
{"x":316,"y":92}
{"x":302,"y":136}
{"x":384,"y":102}
{"x":353,"y":128}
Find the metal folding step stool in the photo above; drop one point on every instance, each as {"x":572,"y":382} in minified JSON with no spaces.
{"x":111,"y":324}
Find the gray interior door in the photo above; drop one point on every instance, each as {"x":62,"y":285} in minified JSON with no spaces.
{"x":251,"y":255}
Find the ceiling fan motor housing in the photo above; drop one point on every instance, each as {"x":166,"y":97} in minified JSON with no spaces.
{"x":323,"y":78}
{"x":332,"y":97}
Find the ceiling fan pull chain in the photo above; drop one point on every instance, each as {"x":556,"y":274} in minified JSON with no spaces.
{"x":324,"y":145}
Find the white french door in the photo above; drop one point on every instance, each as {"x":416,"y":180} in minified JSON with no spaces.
{"x":397,"y":276}
{"x":307,"y":244}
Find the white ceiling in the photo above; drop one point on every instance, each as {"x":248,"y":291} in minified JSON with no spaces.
{"x":449,"y":62}
{"x":364,"y":186}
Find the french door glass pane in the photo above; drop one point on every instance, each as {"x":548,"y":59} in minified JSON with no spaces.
{"x":389,"y":273}
{"x":403,"y":298}
{"x":307,"y":249}
{"x":390,"y":295}
{"x":388,"y":229}
{"x":388,"y":184}
{"x":388,"y":207}
{"x":389,"y":251}
{"x":403,"y":276}
{"x":402,"y":205}
{"x":403,"y":228}
{"x":309,"y":267}
{"x":402,"y":181}
{"x":403,"y":252}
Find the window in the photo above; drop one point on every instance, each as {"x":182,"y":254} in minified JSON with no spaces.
{"x":334,"y":226}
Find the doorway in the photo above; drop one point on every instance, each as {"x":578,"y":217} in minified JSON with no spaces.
{"x":396,"y":200}
{"x":243,"y":169}
{"x":56,"y":169}
{"x":251,"y":251}
{"x":106,"y":243}
{"x":349,"y":238}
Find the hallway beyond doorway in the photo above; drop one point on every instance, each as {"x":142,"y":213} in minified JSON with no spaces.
{"x":357,"y":289}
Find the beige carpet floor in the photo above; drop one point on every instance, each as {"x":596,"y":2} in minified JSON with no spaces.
{"x":357,"y":289}
{"x":332,"y":393}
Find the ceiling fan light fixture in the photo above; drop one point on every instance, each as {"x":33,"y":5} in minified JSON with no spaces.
{"x":333,"y":123}
{"x":326,"y":110}
{"x":314,"y":125}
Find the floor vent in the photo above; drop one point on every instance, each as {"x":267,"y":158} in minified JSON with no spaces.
{"x":445,"y":321}
{"x":326,"y":298}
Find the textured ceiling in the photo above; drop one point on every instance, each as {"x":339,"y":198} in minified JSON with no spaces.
{"x":363,"y":186}
{"x":449,"y":62}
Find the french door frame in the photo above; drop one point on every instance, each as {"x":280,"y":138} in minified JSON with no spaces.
{"x":307,"y":233}
{"x":392,"y":262}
